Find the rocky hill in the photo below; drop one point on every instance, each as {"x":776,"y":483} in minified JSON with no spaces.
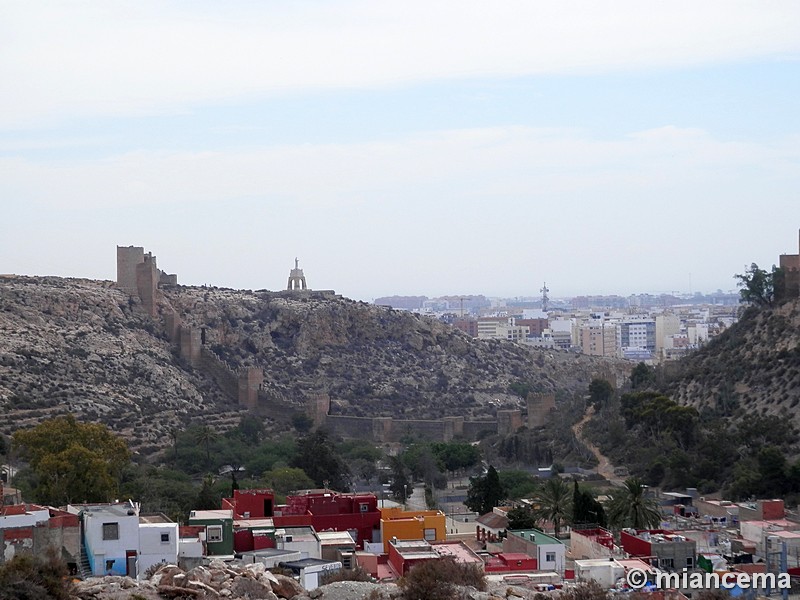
{"x":752,"y":368}
{"x":88,"y":348}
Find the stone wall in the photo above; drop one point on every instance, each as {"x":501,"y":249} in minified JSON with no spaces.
{"x":472,"y":429}
{"x":35,"y":540}
{"x":387,"y":429}
{"x":319,"y":406}
{"x":220,"y":373}
{"x":350,"y":427}
{"x":508,"y":421}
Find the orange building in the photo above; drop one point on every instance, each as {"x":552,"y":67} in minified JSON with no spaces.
{"x":396,"y":523}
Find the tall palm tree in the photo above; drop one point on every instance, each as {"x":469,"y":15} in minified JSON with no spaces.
{"x":554,"y":502}
{"x":205,"y":435}
{"x":629,"y":507}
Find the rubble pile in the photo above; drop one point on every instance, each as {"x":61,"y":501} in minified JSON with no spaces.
{"x":217,"y":580}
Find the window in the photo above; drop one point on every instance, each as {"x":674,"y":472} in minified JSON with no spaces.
{"x":550,"y":557}
{"x":165,"y":538}
{"x":689,"y":562}
{"x":667,"y":563}
{"x":430,"y":535}
{"x":214,"y":533}
{"x":110,"y":531}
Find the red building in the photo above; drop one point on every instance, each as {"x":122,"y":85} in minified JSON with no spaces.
{"x":511,"y":562}
{"x":664,"y":549}
{"x":324,"y":510}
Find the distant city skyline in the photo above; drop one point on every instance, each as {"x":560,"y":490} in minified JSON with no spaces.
{"x":422,"y":148}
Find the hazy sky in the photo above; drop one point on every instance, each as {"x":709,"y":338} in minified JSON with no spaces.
{"x":414,"y":147}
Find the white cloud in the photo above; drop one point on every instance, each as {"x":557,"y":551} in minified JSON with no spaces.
{"x":123,"y":57}
{"x":505,"y":164}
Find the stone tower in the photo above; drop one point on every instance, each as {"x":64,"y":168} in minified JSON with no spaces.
{"x":540,"y":406}
{"x":790,"y":286}
{"x":297,"y":281}
{"x":127,"y":259}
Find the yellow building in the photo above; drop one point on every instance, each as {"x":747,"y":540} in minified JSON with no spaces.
{"x":402,"y":524}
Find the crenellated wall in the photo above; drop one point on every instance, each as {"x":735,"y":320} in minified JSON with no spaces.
{"x":220,"y":373}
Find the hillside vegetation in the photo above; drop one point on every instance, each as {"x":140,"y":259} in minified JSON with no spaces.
{"x":753,"y":368}
{"x":724,"y":418}
{"x":87,"y":348}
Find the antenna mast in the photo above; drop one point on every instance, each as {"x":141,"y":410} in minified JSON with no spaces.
{"x":545,"y":299}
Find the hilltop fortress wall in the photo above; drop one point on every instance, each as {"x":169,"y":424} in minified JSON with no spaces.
{"x":139,"y":276}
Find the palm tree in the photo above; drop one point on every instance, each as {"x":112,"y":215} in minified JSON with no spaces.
{"x":554,"y":502}
{"x":629,"y":507}
{"x":205,"y":435}
{"x":173,"y":433}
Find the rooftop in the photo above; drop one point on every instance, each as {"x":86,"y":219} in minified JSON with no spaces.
{"x":536,"y":536}
{"x":335,"y":537}
{"x":265,"y":523}
{"x":493,"y":521}
{"x":458,"y":550}
{"x":211,"y":514}
{"x":127,"y":509}
{"x":154,"y":519}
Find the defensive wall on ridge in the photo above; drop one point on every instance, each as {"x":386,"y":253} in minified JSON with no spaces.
{"x":389,"y":429}
{"x":138,"y":275}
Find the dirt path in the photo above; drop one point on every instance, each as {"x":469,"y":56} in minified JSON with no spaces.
{"x":604,"y":466}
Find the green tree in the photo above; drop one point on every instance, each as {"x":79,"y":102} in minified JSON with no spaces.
{"x":553,"y":503}
{"x":642,"y":376}
{"x":286,"y":479}
{"x":485,"y":492}
{"x":208,"y":498}
{"x":73,"y":462}
{"x":586,"y":509}
{"x":600,"y":393}
{"x":772,"y":468}
{"x":758,"y":285}
{"x":399,"y":483}
{"x":251,"y":430}
{"x":302,"y":423}
{"x":318,"y":458}
{"x":518,"y":484}
{"x":521,"y":517}
{"x":628,"y":506}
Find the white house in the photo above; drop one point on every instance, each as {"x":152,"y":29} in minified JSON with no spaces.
{"x":299,"y":539}
{"x":111,"y":535}
{"x":158,"y":542}
{"x":121,"y":542}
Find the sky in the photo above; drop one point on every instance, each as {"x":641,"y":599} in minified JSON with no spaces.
{"x":409,"y":148}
